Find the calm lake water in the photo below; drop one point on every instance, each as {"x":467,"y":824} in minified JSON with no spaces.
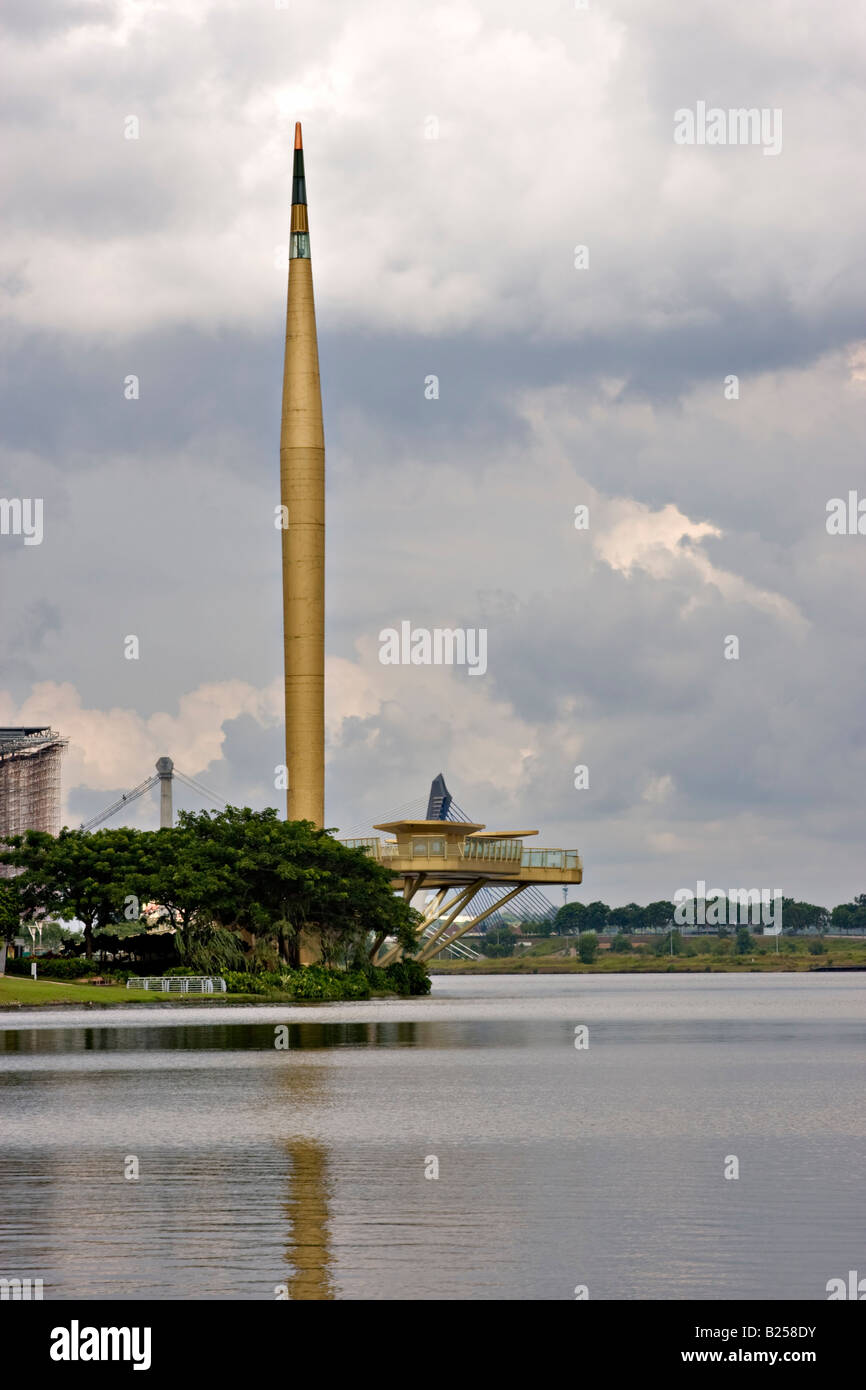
{"x":303,"y":1169}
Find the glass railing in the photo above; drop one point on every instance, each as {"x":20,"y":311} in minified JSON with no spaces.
{"x":550,"y":859}
{"x":377,"y":849}
{"x":485,"y":851}
{"x":491,"y":849}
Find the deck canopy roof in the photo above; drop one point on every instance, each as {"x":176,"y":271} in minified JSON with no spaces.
{"x":431,"y":827}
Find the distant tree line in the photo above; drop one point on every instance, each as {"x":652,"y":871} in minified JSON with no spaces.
{"x":575,"y":918}
{"x":239,"y":887}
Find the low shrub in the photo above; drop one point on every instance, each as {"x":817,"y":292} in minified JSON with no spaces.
{"x":240,"y":982}
{"x":76,"y":968}
{"x":51,"y":968}
{"x":587,"y":946}
{"x":316,"y":982}
{"x":408,"y":977}
{"x":672,"y":943}
{"x":745,"y":942}
{"x":313,"y":982}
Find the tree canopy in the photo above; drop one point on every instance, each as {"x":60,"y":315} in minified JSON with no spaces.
{"x":238,"y":885}
{"x":659,"y":916}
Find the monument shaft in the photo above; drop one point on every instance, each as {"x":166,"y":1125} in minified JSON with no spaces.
{"x":302,"y":492}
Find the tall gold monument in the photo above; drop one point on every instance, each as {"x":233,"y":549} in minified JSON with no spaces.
{"x":454,"y":861}
{"x":302,"y":494}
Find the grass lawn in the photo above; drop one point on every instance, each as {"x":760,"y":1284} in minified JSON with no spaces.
{"x":16,"y":989}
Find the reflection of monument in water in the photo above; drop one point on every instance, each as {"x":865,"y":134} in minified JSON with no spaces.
{"x":312,"y":1170}
{"x":309,"y":1252}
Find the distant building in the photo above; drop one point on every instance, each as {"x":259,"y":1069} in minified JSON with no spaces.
{"x":30,"y":780}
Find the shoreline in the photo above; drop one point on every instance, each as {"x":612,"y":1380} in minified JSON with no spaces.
{"x":173,"y":1001}
{"x":21,"y":994}
{"x":792,"y":967}
{"x":238,"y":1001}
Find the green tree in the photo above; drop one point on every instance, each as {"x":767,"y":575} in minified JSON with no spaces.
{"x":620,"y":943}
{"x":625,"y":919}
{"x":658,"y":915}
{"x":597,"y":914}
{"x":847,"y":917}
{"x":671,"y":944}
{"x":799,"y":916}
{"x":569,"y":919}
{"x":744,"y":941}
{"x":498,"y":942}
{"x":542,"y":926}
{"x":241,"y":886}
{"x":10,"y":916}
{"x":587,"y":946}
{"x":271,"y":880}
{"x":188,"y":874}
{"x":75,"y":875}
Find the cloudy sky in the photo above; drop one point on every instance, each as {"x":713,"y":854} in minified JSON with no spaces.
{"x":457,"y":154}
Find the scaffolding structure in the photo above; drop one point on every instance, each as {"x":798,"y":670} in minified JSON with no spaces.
{"x":30,"y":780}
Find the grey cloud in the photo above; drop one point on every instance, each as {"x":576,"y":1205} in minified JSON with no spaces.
{"x":458,"y":511}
